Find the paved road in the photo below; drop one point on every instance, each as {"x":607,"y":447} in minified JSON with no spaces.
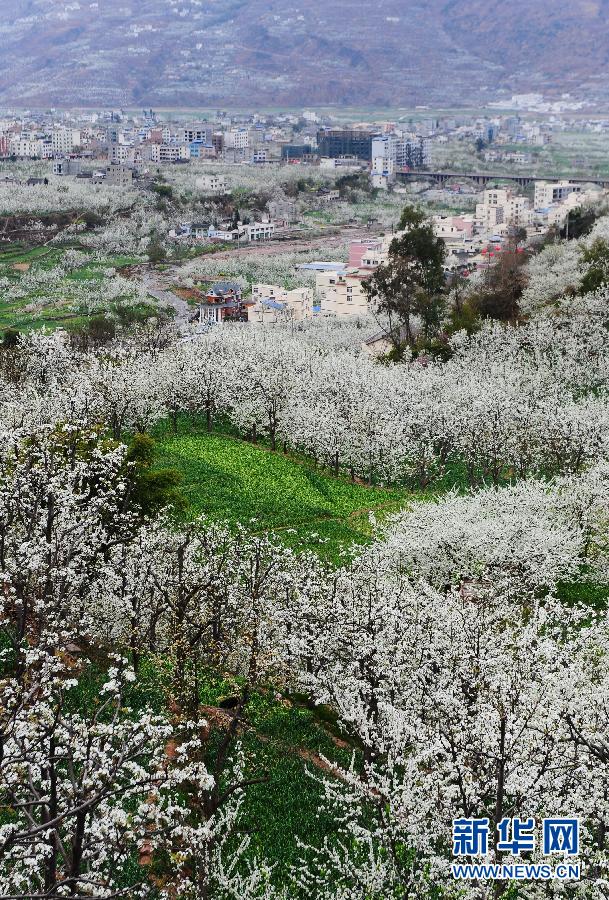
{"x":159,"y":292}
{"x":158,"y":284}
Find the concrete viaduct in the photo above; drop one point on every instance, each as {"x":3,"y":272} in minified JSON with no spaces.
{"x":440,"y":178}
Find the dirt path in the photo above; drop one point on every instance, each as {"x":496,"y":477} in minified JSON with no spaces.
{"x":221,"y":718}
{"x":271,"y":248}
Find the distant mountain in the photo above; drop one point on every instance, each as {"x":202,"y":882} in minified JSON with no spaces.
{"x":279,"y":53}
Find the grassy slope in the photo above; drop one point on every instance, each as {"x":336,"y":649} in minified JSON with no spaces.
{"x":229,"y":479}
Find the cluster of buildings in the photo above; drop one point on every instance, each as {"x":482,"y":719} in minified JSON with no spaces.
{"x":470,"y":241}
{"x":502,"y":213}
{"x":142,"y":139}
{"x":338,"y":292}
{"x":227,"y":232}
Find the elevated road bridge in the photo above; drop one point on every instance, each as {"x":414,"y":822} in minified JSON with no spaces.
{"x":483,"y":179}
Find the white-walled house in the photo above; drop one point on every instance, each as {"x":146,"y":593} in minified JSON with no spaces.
{"x":341,"y":293}
{"x":273,"y":304}
{"x":213,"y":184}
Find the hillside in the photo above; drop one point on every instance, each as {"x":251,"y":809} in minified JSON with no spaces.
{"x":246,"y":52}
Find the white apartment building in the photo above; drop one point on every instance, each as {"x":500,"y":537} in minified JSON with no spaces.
{"x":213,"y":184}
{"x":394,"y":151}
{"x":25,"y":148}
{"x":64,"y":140}
{"x":341,"y":293}
{"x":237,"y":139}
{"x":121,"y":153}
{"x":383,"y":172}
{"x":273,"y":304}
{"x":547,"y":192}
{"x":168,"y":153}
{"x":502,"y":209}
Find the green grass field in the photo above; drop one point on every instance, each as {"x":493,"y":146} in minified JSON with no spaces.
{"x":231,"y":480}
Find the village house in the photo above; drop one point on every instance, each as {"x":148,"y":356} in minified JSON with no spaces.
{"x":341,"y":292}
{"x":213,"y":184}
{"x":223,"y":301}
{"x":273,"y":304}
{"x":253,"y":231}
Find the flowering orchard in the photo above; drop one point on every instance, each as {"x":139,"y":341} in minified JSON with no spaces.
{"x":458,"y":664}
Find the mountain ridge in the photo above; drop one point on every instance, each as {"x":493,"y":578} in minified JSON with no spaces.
{"x":271,"y":52}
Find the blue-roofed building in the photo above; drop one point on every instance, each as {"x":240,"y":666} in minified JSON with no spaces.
{"x":272,"y":304}
{"x":323,"y":267}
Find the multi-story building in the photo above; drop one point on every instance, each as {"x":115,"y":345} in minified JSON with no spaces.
{"x":282,"y":210}
{"x":547,"y":193}
{"x":223,"y":301}
{"x":259,"y":231}
{"x":391,"y":152}
{"x":339,"y":142}
{"x":502,"y":209}
{"x":260,"y":155}
{"x":195,"y":131}
{"x":273,"y":304}
{"x":253,"y":231}
{"x":167,"y":153}
{"x":213,"y":184}
{"x":413,"y":153}
{"x":119,"y":175}
{"x":237,"y":139}
{"x":121,"y":153}
{"x":341,"y":292}
{"x":67,"y":166}
{"x":25,"y":147}
{"x":202,"y":150}
{"x":64,"y":140}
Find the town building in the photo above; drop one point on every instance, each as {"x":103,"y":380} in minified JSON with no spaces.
{"x":166,"y":153}
{"x":25,"y":147}
{"x":501,"y":209}
{"x":119,"y":175}
{"x":64,"y":141}
{"x":223,"y":301}
{"x":213,"y":184}
{"x":548,"y":193}
{"x":273,"y":304}
{"x":341,"y":293}
{"x":340,"y":142}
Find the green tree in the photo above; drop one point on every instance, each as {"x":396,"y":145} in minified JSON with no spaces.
{"x":595,"y":262}
{"x":155,"y":250}
{"x":10,"y":338}
{"x":504,"y":282}
{"x":412,"y":282}
{"x":151,"y":489}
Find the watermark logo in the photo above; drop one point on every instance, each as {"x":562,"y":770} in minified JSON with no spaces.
{"x":559,"y":836}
